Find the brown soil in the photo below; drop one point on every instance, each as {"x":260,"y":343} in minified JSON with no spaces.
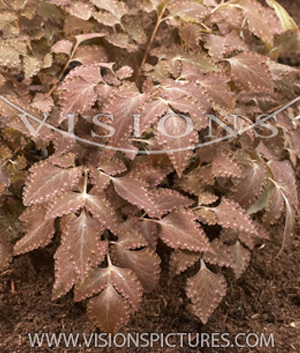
{"x":265,"y":300}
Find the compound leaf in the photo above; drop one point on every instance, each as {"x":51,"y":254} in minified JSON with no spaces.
{"x":109,"y":310}
{"x":241,"y":258}
{"x":85,"y":248}
{"x":144,"y":263}
{"x":38,"y":230}
{"x":136,"y":192}
{"x":206,"y":290}
{"x":45,"y":181}
{"x":179,"y":230}
{"x":250,"y":72}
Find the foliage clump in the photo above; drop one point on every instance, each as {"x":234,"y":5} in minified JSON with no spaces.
{"x":111,"y":208}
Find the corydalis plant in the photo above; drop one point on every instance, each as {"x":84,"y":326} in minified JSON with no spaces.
{"x":155,"y":59}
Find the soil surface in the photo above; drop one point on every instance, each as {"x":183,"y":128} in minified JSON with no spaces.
{"x":265,"y":300}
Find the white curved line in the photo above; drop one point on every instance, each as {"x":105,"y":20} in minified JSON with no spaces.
{"x":68,"y":134}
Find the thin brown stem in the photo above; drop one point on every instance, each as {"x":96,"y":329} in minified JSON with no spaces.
{"x":201,"y":206}
{"x":10,"y":77}
{"x":108,"y":257}
{"x":150,"y":220}
{"x":220,"y":6}
{"x":85,"y":183}
{"x":59,"y":78}
{"x":63,"y":70}
{"x":106,"y":238}
{"x":159,"y":21}
{"x":5,"y":4}
{"x":4,"y":163}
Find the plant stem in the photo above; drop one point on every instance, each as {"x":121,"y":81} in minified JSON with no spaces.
{"x":150,"y":220}
{"x":106,"y":237}
{"x":59,"y":78}
{"x":159,"y":20}
{"x":220,"y":6}
{"x":108,"y":258}
{"x":85,"y":183}
{"x":10,"y":77}
{"x":64,"y":70}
